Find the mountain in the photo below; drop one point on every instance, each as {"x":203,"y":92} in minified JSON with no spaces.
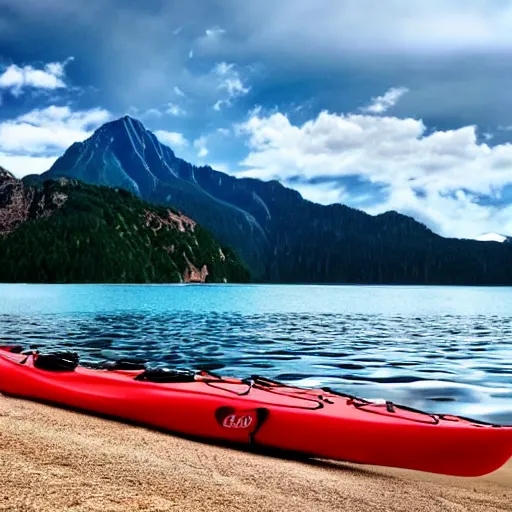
{"x":124,"y":154}
{"x":68,"y":231}
{"x":281,"y":236}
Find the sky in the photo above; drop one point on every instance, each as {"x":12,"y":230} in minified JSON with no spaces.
{"x":394,"y":105}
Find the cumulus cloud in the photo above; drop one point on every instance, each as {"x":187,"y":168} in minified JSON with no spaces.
{"x":175,"y":110}
{"x":200,"y":146}
{"x":48,"y":129}
{"x":230,"y":82}
{"x":28,"y":143}
{"x":16,"y":79}
{"x":173,"y":139}
{"x":381,"y":104}
{"x":457,"y":213}
{"x":438,"y":177}
{"x":230,"y":79}
{"x":21,"y":165}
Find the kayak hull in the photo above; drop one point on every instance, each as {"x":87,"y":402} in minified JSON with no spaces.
{"x":317,"y":423}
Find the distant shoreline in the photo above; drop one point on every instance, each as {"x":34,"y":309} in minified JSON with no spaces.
{"x":346,"y":285}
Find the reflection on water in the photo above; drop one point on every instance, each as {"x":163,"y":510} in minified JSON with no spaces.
{"x":443,"y":363}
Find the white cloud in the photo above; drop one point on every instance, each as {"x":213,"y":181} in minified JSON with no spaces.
{"x":49,"y":129}
{"x":34,"y":140}
{"x":230,"y":82}
{"x":175,"y":110}
{"x":173,"y":139}
{"x":397,"y":155}
{"x":222,"y":167}
{"x":381,"y":104}
{"x":218,"y":105}
{"x":457,"y":214}
{"x":21,"y":165}
{"x":152,"y":112}
{"x":16,"y":79}
{"x":394,"y":26}
{"x":179,"y":92}
{"x":200,"y":146}
{"x":214,"y":32}
{"x":323,"y":193}
{"x":171,"y":109}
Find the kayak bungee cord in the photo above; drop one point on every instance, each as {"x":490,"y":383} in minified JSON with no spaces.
{"x":271,"y":386}
{"x":252,"y":383}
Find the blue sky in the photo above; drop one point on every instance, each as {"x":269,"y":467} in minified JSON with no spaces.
{"x":380,"y":105}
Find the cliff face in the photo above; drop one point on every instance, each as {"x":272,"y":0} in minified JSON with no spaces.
{"x":14,"y":204}
{"x":281,"y":236}
{"x":67,"y":231}
{"x":176,"y":221}
{"x":193,"y":275}
{"x":185,"y":225}
{"x":19,"y":203}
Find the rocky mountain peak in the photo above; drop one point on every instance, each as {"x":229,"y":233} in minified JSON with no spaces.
{"x":121,"y":153}
{"x":19,"y":202}
{"x":5,"y":175}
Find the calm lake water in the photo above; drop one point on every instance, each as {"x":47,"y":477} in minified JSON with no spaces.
{"x":442,"y":349}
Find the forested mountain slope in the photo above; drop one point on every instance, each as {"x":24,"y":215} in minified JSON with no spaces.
{"x":66,"y":231}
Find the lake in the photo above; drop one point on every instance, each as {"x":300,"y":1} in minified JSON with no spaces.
{"x":442,"y":349}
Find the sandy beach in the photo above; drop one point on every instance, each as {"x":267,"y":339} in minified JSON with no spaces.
{"x":53,"y":459}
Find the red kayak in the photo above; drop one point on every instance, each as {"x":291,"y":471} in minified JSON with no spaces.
{"x":315,"y":422}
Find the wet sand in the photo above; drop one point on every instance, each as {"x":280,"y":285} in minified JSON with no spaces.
{"x":53,"y":459}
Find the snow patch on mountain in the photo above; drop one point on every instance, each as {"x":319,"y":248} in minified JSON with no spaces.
{"x":492,"y":237}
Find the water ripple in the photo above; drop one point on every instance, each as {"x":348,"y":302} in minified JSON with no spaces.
{"x":448,"y":363}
